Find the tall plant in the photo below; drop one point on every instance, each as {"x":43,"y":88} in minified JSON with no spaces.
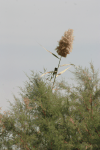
{"x":64,"y":48}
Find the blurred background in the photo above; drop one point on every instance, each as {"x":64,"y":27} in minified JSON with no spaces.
{"x":23,"y":22}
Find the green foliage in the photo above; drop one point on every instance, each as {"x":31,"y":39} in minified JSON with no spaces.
{"x":64,"y":122}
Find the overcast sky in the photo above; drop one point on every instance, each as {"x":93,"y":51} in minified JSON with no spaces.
{"x":23,"y":22}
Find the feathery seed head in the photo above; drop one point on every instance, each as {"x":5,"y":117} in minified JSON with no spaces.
{"x":65,"y":44}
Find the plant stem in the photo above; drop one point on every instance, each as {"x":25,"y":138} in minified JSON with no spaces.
{"x":56,"y":72}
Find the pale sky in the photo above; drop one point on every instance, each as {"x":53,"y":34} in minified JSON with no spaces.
{"x":24,"y":21}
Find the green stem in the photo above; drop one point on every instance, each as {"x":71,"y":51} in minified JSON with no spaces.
{"x":56,"y":72}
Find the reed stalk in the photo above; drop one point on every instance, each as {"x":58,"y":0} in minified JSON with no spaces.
{"x":65,"y":47}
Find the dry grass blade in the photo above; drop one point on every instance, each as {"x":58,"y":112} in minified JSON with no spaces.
{"x":67,"y":65}
{"x":46,"y":73}
{"x":62,"y":72}
{"x":64,"y":65}
{"x":48,"y":51}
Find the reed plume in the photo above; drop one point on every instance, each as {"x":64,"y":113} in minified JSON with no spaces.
{"x":65,"y":44}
